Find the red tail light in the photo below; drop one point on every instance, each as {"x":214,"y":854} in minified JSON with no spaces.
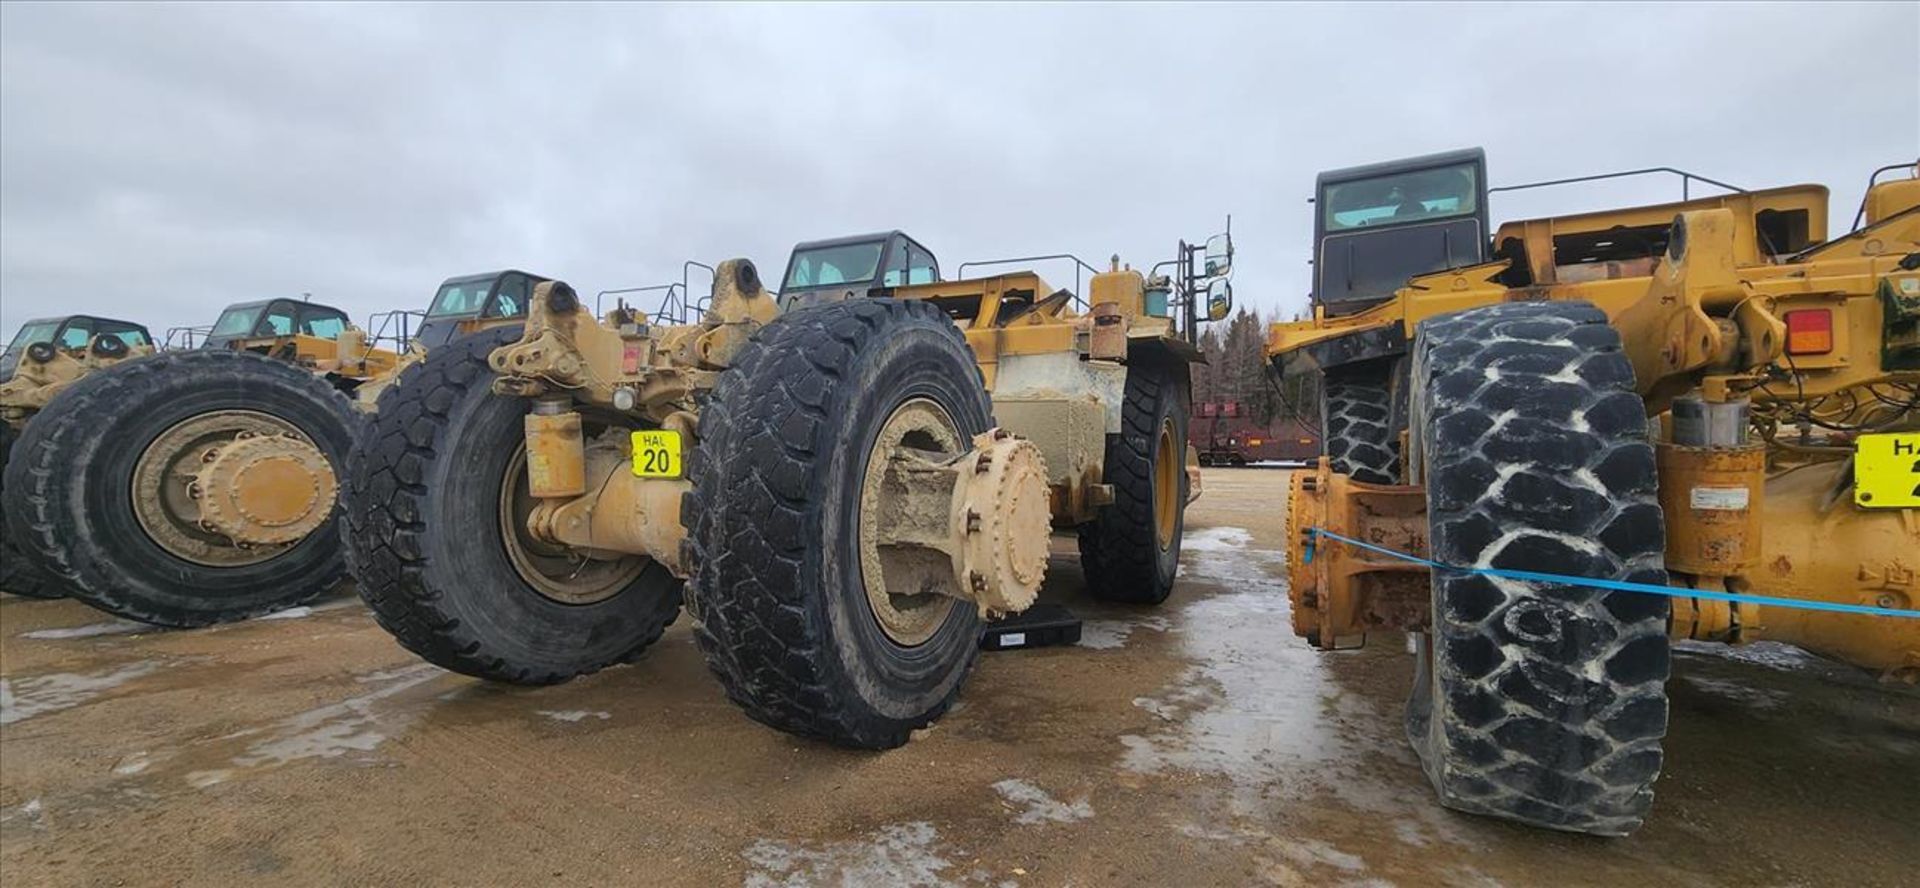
{"x":1810,"y":331}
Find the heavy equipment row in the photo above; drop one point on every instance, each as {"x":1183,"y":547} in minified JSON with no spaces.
{"x":842,"y":477}
{"x":198,"y":483}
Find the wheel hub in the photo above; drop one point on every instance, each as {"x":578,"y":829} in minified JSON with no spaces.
{"x":265,"y":490}
{"x":941,"y":522}
{"x":229,"y":488}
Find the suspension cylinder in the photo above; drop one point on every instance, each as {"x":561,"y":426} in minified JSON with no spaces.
{"x":556,"y":455}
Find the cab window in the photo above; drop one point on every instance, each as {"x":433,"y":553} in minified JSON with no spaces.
{"x":1400,"y":198}
{"x":278,"y":321}
{"x":236,"y":321}
{"x":323,"y":323}
{"x":127,"y":333}
{"x":76,"y":334}
{"x":896,"y":271}
{"x":459,"y":298}
{"x":922,"y":268}
{"x":843,"y":264}
{"x":511,"y":299}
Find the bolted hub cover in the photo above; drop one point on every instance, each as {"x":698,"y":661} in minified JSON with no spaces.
{"x":1008,"y":521}
{"x":265,"y":489}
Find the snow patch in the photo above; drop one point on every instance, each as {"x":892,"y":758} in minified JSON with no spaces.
{"x":573,"y":715}
{"x":110,"y":627}
{"x":24,"y":698}
{"x":292,"y":613}
{"x":1040,"y":806}
{"x":901,"y":854}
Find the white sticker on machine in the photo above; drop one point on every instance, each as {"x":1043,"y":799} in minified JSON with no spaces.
{"x":1720,"y":499}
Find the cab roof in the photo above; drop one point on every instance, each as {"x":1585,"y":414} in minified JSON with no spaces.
{"x":1425,"y":161}
{"x":852,"y":239}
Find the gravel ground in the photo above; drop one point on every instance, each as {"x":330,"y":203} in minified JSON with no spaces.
{"x":1197,"y":743}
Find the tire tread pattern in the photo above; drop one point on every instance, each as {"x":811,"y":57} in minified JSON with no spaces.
{"x":1547,"y":703}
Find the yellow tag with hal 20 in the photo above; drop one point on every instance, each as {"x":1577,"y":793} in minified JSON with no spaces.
{"x":1886,"y":470}
{"x":656,"y":454}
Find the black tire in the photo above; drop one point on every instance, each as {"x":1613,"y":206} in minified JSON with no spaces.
{"x":428,"y":548}
{"x":1121,"y":552}
{"x":1356,"y":414}
{"x":773,"y":521}
{"x":1539,"y":703}
{"x":69,"y":486}
{"x":19,"y":573}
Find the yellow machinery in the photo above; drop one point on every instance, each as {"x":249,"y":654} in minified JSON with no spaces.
{"x":1707,"y":394}
{"x":199,"y":485}
{"x":46,"y":356}
{"x":847,"y":477}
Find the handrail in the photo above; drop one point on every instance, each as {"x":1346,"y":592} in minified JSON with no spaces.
{"x":1872,"y":181}
{"x":1686,"y":180}
{"x":378,"y":323}
{"x":190,"y":337}
{"x":669,"y":288}
{"x":1077,"y":261}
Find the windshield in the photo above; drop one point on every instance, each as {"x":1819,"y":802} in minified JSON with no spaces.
{"x":1418,"y":196}
{"x":236,"y":321}
{"x":37,"y":331}
{"x":460,"y":298}
{"x":845,"y":264}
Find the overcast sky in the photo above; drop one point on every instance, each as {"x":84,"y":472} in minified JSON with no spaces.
{"x":158,"y":162}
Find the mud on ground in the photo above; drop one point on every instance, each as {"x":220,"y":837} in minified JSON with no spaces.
{"x":1199,"y":743}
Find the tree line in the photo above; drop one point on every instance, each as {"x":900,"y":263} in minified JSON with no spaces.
{"x":1237,"y":370}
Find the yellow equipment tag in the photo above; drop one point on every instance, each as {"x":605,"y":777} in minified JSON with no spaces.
{"x":1886,"y":470}
{"x":656,"y":454}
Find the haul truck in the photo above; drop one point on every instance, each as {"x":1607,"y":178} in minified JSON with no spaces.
{"x":1709,"y":394}
{"x":840,"y":481}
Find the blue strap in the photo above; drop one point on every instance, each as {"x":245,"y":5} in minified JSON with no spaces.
{"x":1618,"y":585}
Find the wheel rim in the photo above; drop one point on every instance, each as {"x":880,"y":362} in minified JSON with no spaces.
{"x":166,"y":503}
{"x":1166,"y":485}
{"x":555,"y":572}
{"x":909,"y":620}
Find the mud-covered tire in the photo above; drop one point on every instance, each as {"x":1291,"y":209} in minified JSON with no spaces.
{"x":1540,"y":703}
{"x":1122,"y":553}
{"x":781,"y":610}
{"x":1356,"y":416}
{"x":67,"y":486}
{"x":427,"y":543}
{"x":19,"y":573}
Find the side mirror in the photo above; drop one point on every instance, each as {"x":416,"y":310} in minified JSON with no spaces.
{"x":1219,"y":254}
{"x":1219,"y":300}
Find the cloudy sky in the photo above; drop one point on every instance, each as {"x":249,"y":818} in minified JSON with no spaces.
{"x":157,"y":162}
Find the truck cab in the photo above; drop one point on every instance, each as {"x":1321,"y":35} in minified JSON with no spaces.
{"x":850,"y":267}
{"x":71,"y":334}
{"x":1376,"y":226}
{"x":463,"y":305}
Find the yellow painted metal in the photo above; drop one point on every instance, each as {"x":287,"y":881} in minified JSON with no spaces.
{"x":1821,"y":550}
{"x":34,"y":383}
{"x":1346,"y":592}
{"x":1712,"y":498}
{"x":556,"y":455}
{"x":1706,"y":315}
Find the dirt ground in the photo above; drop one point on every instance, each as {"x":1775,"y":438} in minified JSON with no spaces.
{"x":1197,"y":744}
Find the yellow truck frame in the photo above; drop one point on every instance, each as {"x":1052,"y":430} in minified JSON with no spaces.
{"x":1770,"y":365}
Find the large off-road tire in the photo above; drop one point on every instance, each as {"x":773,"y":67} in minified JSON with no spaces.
{"x":70,"y":487}
{"x":436,"y":536}
{"x":19,"y":573}
{"x":1356,"y":418}
{"x":782,"y":610}
{"x":1540,"y":703}
{"x":1131,"y":552}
